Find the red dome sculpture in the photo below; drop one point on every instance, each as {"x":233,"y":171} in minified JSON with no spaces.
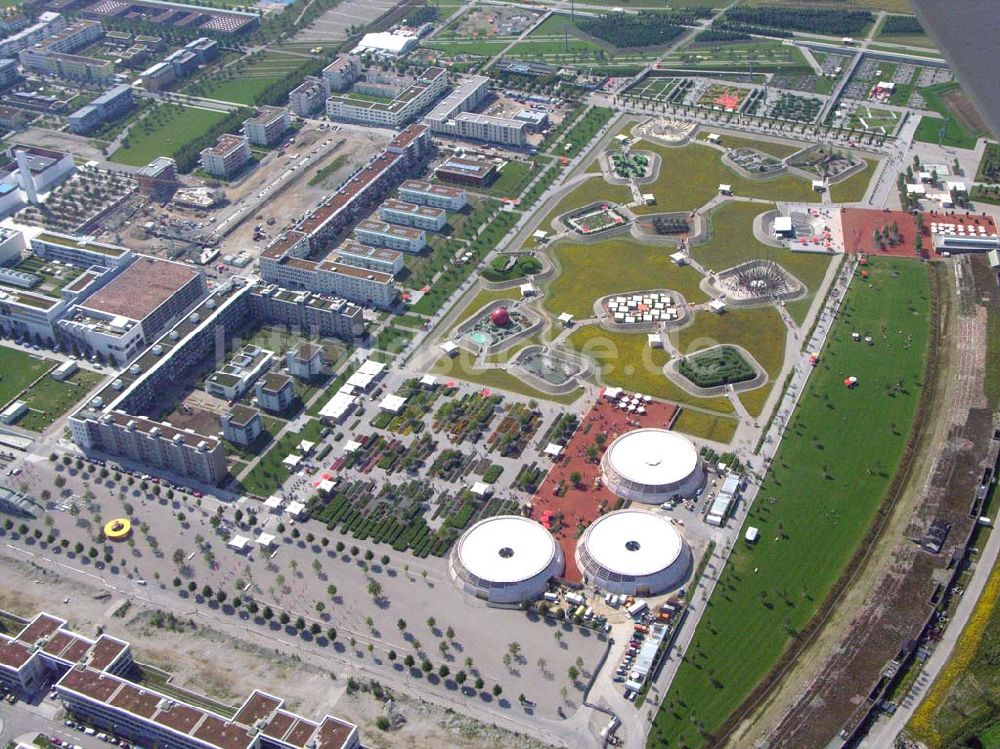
{"x":500,"y":317}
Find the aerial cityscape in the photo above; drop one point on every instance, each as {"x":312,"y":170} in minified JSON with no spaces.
{"x":499,"y":373}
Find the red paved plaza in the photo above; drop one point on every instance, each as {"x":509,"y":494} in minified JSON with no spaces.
{"x":581,"y":505}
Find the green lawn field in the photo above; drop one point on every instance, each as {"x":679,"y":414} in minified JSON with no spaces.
{"x":511,"y":181}
{"x":732,"y":242}
{"x":706,"y":426}
{"x":852,"y":189}
{"x":821,"y":495}
{"x":592,"y":190}
{"x":461,"y":368}
{"x":778,"y":150}
{"x":703,"y":172}
{"x":626,"y":360}
{"x":163,"y":132}
{"x":956,"y":134}
{"x":17,"y":370}
{"x":759,"y":330}
{"x":242,"y":82}
{"x":586,"y":274}
{"x":50,"y":399}
{"x":270,"y":473}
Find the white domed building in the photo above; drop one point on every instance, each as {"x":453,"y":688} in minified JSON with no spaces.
{"x":506,"y":559}
{"x":652,"y":466}
{"x":634,"y":552}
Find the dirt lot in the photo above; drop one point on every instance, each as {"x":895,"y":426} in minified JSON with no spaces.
{"x":273,"y":189}
{"x":332,"y":25}
{"x":198,"y":411}
{"x":212,"y":663}
{"x":482,"y":23}
{"x":76,"y":144}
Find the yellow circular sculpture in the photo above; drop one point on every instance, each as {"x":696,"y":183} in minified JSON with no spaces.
{"x":118,"y":529}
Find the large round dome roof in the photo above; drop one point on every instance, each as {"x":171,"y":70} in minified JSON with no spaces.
{"x":506,"y":549}
{"x":635,"y":552}
{"x":653,"y":457}
{"x":634,"y":542}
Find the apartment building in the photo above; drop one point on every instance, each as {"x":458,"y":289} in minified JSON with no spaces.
{"x":53,"y":55}
{"x":8,"y":73}
{"x":430,"y":85}
{"x":227,"y":157}
{"x":240,"y":373}
{"x":242,"y":425}
{"x":434,"y":195}
{"x":47,"y":23}
{"x":381,"y":234}
{"x":309,"y":97}
{"x":110,"y":105}
{"x":267,"y":127}
{"x":311,"y":313}
{"x":275,"y":392}
{"x":80,"y":251}
{"x":371,"y":258}
{"x":413,"y":215}
{"x":91,"y":678}
{"x":44,"y":650}
{"x":341,"y":74}
{"x":154,"y":444}
{"x":305,"y":360}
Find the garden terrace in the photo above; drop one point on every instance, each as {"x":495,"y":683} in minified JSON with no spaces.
{"x":572,"y":490}
{"x":630,"y":165}
{"x":420,"y":401}
{"x":467,"y":418}
{"x":452,"y":465}
{"x":824,"y":161}
{"x":721,"y":365}
{"x":510,"y":268}
{"x":754,"y":162}
{"x":795,"y":108}
{"x":720,"y":96}
{"x":514,"y":431}
{"x":394,"y":516}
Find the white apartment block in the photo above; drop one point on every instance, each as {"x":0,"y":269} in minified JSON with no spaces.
{"x":381,"y":234}
{"x":396,"y":113}
{"x":422,"y":192}
{"x":413,"y":215}
{"x":229,"y":154}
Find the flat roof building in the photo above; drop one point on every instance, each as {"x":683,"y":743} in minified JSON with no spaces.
{"x":434,"y":195}
{"x":473,"y":172}
{"x":239,"y":374}
{"x":381,"y":234}
{"x":227,"y":157}
{"x":396,"y":113}
{"x":242,"y":425}
{"x":267,"y":127}
{"x":275,"y":392}
{"x":413,"y":215}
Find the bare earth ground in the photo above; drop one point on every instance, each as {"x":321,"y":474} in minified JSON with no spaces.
{"x":828,"y":687}
{"x":226,"y":669}
{"x":76,"y":144}
{"x":332,"y":25}
{"x":296,"y":195}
